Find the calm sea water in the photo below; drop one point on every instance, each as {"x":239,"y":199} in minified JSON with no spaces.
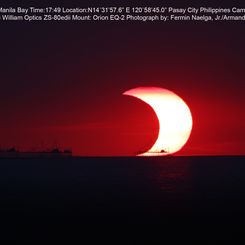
{"x":151,"y":199}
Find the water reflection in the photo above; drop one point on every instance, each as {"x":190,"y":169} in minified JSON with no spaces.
{"x":174,"y":176}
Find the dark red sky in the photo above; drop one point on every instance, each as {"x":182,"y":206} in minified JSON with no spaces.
{"x":62,"y":84}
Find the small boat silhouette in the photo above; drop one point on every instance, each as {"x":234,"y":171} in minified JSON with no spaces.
{"x":162,"y":151}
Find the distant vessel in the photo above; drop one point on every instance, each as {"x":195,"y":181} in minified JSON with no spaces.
{"x":153,"y":153}
{"x":53,"y":153}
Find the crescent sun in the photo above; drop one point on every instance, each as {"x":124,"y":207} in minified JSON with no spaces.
{"x":174,"y":116}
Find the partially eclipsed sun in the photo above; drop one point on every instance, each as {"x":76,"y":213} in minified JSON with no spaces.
{"x":174,"y":116}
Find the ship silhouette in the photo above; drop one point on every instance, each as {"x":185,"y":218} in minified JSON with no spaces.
{"x":161,"y":151}
{"x":51,"y":153}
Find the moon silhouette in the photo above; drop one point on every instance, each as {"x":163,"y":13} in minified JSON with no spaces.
{"x":174,"y":116}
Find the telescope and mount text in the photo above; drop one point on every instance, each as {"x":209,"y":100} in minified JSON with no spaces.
{"x":121,"y":14}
